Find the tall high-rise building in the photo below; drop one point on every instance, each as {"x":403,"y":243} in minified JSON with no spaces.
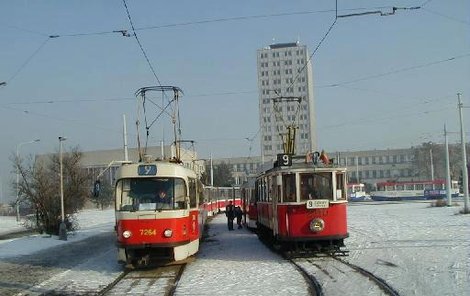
{"x":284,"y":76}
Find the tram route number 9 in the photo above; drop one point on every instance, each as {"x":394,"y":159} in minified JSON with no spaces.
{"x":284,"y":160}
{"x":148,"y":232}
{"x":318,"y":204}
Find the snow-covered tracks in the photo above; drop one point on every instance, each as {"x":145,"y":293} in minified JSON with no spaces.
{"x":335,"y":276}
{"x":155,"y":281}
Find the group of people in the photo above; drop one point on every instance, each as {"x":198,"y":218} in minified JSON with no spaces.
{"x":233,"y":212}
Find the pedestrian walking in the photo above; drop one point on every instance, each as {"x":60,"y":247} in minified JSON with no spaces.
{"x":230,"y":213}
{"x":239,"y":214}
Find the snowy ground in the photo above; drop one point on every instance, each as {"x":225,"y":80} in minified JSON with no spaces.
{"x":417,"y":249}
{"x":92,"y":222}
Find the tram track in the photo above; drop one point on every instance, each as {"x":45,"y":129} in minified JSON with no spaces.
{"x":331,"y":275}
{"x":151,"y":281}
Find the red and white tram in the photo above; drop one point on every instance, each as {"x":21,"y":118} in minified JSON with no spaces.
{"x":248,"y":194}
{"x":217,"y":198}
{"x":302,"y":207}
{"x":151,"y":227}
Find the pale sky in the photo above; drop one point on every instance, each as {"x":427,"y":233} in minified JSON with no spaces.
{"x":380,"y":81}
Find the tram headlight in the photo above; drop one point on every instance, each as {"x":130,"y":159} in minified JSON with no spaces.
{"x":168,"y":233}
{"x":127,"y":234}
{"x":317,"y":225}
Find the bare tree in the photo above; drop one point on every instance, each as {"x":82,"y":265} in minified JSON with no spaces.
{"x":223,"y":175}
{"x":422,"y":160}
{"x":105,"y":198}
{"x":39,"y":185}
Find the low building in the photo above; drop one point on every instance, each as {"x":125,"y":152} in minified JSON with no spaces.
{"x":106,"y":162}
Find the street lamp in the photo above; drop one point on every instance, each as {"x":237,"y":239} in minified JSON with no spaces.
{"x":18,"y":176}
{"x":62,"y":226}
{"x":432,"y":164}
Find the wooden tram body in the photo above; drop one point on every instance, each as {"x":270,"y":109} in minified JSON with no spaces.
{"x":149,"y":229}
{"x":303,"y":206}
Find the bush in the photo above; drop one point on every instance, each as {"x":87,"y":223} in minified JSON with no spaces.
{"x":439,"y":203}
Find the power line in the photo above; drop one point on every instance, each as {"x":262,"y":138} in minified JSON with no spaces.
{"x":447,"y":17}
{"x":56,"y":101}
{"x":28,"y":60}
{"x":396,"y":71}
{"x":140,"y":45}
{"x":379,"y":12}
{"x":209,"y":21}
{"x":24,"y":30}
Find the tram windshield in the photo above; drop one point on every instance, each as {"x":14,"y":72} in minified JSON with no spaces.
{"x":145,"y":194}
{"x":316,"y":186}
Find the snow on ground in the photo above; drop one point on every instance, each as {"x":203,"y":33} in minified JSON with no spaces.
{"x":237,"y":263}
{"x":417,"y":249}
{"x":91,"y":222}
{"x":9,"y":224}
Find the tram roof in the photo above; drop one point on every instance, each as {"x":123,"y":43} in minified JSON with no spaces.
{"x":163,"y":169}
{"x":304,"y":166}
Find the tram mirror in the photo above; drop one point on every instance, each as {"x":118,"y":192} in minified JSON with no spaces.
{"x":97,"y":188}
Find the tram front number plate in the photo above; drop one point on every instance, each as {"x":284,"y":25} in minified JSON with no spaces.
{"x":318,"y":204}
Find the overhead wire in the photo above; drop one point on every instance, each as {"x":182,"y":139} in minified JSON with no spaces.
{"x":23,"y":29}
{"x":446,"y":16}
{"x":28,"y":60}
{"x":397,"y":71}
{"x":140,"y":44}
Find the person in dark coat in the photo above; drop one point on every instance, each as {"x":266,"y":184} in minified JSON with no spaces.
{"x":230,"y":213}
{"x":239,"y":214}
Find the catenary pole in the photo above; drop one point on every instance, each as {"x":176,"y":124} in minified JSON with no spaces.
{"x":448,"y":188}
{"x":464,"y":157}
{"x":62,"y":226}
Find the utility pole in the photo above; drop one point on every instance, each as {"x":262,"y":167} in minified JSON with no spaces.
{"x":448,"y":188}
{"x":464,"y":159}
{"x":62,"y":226}
{"x":432,"y":164}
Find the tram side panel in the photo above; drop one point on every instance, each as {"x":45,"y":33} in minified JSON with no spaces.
{"x":295,"y":222}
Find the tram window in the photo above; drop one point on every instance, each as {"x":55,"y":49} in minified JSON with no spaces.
{"x":428,"y":187}
{"x":400,"y":187}
{"x":316,"y":186}
{"x":340,"y":192}
{"x":201,"y":193}
{"x":276,"y":193}
{"x":288,"y":180}
{"x":192,"y":193}
{"x":419,"y":186}
{"x":409,"y":186}
{"x":180,"y":194}
{"x":269,"y":190}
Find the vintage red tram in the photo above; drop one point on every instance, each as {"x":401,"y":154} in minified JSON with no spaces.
{"x":248,"y":196}
{"x":158,"y":213}
{"x":302,"y":206}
